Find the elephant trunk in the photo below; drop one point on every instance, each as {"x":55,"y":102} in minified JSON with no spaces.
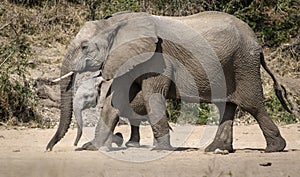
{"x":78,"y":115}
{"x":79,"y":134}
{"x":66,"y":108}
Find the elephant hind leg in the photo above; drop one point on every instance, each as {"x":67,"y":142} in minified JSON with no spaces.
{"x":275,"y":142}
{"x":223,"y":139}
{"x":154,"y":91}
{"x":159,"y":122}
{"x":138,"y":107}
{"x":251,"y":100}
{"x":249,"y":96}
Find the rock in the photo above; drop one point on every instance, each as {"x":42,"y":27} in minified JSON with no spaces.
{"x":267,"y":164}
{"x":46,"y":89}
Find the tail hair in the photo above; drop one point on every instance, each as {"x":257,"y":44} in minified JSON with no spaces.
{"x":280,"y":91}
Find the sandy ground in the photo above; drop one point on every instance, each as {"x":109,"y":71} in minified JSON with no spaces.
{"x":22,"y":153}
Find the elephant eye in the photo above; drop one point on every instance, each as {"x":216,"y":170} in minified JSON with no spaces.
{"x":84,"y":45}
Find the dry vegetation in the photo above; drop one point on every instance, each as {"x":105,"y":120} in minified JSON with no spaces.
{"x":35,"y":33}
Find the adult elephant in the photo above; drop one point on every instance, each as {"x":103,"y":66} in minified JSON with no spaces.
{"x":222,"y":60}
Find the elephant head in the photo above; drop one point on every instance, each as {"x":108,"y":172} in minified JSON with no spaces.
{"x":89,"y":30}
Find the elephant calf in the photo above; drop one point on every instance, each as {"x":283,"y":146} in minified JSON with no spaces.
{"x":86,"y":96}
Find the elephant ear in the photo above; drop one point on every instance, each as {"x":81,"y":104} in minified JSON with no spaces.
{"x":134,"y":43}
{"x":89,"y":30}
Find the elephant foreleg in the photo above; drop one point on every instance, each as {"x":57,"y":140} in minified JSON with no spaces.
{"x":223,"y":139}
{"x":104,"y":129}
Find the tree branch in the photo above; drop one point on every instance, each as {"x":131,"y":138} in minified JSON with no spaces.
{"x":4,"y":26}
{"x":6,"y":58}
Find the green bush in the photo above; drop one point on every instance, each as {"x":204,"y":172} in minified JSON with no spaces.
{"x":113,"y":6}
{"x":17,"y":101}
{"x":274,"y":21}
{"x":181,"y":112}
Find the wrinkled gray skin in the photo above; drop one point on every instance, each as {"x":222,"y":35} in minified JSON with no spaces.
{"x":234,"y":45}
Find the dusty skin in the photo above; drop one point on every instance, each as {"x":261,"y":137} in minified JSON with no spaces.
{"x":22,"y":153}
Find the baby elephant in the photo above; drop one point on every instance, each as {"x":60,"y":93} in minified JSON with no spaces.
{"x":86,"y":97}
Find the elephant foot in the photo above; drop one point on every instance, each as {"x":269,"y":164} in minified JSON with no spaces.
{"x":163,"y":143}
{"x":132,"y":144}
{"x":221,"y":145}
{"x":275,"y":144}
{"x":223,"y":139}
{"x":118,"y":139}
{"x":89,"y":146}
{"x":167,"y":148}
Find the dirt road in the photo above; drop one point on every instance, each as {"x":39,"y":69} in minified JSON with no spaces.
{"x":22,"y":153}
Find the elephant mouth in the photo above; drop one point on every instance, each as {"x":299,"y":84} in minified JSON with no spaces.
{"x":72,"y":72}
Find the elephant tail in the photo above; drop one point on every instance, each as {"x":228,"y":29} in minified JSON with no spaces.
{"x":280,"y":91}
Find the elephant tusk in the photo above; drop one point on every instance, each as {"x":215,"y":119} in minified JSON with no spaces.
{"x":100,"y":80}
{"x":64,"y":76}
